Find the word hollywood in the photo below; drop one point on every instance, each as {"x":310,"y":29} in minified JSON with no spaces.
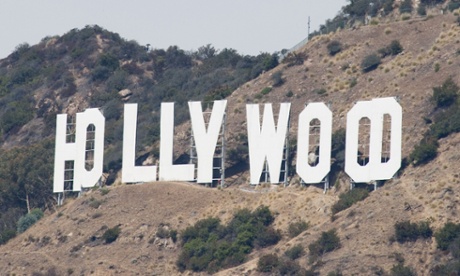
{"x":266,"y":143}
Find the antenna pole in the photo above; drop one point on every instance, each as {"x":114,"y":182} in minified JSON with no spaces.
{"x":308,"y":35}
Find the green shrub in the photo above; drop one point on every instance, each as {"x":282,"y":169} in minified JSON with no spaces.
{"x":100,"y":73}
{"x":349,"y":198}
{"x":267,"y":237}
{"x":210,"y":246}
{"x":289,"y":267}
{"x":335,"y":273}
{"x":320,"y":91}
{"x":16,"y":114}
{"x":94,"y":203}
{"x":406,"y":231}
{"x":266,"y":90}
{"x":388,"y":6}
{"x":29,"y":219}
{"x":446,"y":94}
{"x":104,"y":191}
{"x":431,"y":2}
{"x":424,"y":152}
{"x":370,"y":62}
{"x":111,"y":234}
{"x":297,"y":227}
{"x":353,"y":82}
{"x":401,"y":270}
{"x":421,"y":10}
{"x":6,"y":235}
{"x":37,"y":213}
{"x":334,"y":47}
{"x":277,"y":78}
{"x":424,"y":230}
{"x":406,"y":6}
{"x":394,"y":48}
{"x":437,"y":66}
{"x":451,"y":268}
{"x":294,"y":252}
{"x":446,"y":235}
{"x":267,"y":263}
{"x":329,"y":241}
{"x":454,"y":248}
{"x":453,"y":5}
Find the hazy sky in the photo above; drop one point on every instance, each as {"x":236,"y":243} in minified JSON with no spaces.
{"x":249,"y":26}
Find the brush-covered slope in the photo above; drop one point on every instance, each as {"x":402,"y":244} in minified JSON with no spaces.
{"x":95,"y":68}
{"x":70,"y":239}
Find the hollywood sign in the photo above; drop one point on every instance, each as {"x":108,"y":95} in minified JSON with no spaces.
{"x":265,"y":142}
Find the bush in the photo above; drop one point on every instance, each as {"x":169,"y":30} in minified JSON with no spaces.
{"x":388,"y":6}
{"x":453,"y":5}
{"x":277,"y":78}
{"x":334,"y":47}
{"x":349,"y":198}
{"x":267,"y":237}
{"x":6,"y":235}
{"x":421,"y":10}
{"x":424,"y":152}
{"x":447,"y":235}
{"x":406,"y":6}
{"x":29,"y":219}
{"x":370,"y":62}
{"x":329,"y":241}
{"x":210,"y":246}
{"x":424,"y":230}
{"x":289,"y":267}
{"x":393,"y":49}
{"x":295,"y":228}
{"x":267,"y":263}
{"x":111,"y":234}
{"x":407,"y":231}
{"x":294,"y":252}
{"x":401,"y":270}
{"x":266,"y":90}
{"x":446,"y":94}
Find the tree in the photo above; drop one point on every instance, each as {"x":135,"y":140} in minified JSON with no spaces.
{"x":406,"y":6}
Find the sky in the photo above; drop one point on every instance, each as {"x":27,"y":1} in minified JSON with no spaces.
{"x":248,"y":26}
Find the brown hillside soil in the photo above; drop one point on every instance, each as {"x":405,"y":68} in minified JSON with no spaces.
{"x":70,"y":239}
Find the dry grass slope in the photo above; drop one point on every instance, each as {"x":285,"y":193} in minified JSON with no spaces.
{"x":69,"y":239}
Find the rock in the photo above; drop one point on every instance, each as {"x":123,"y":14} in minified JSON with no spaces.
{"x":125,"y":94}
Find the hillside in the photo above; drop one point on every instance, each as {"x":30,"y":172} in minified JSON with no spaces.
{"x":95,"y":68}
{"x":69,"y":239}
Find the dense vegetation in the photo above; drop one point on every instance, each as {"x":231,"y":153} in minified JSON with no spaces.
{"x":448,"y":239}
{"x":38,"y":82}
{"x":446,"y":120}
{"x":407,"y":231}
{"x":360,"y":11}
{"x":349,"y":198}
{"x":271,"y":263}
{"x":210,"y":246}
